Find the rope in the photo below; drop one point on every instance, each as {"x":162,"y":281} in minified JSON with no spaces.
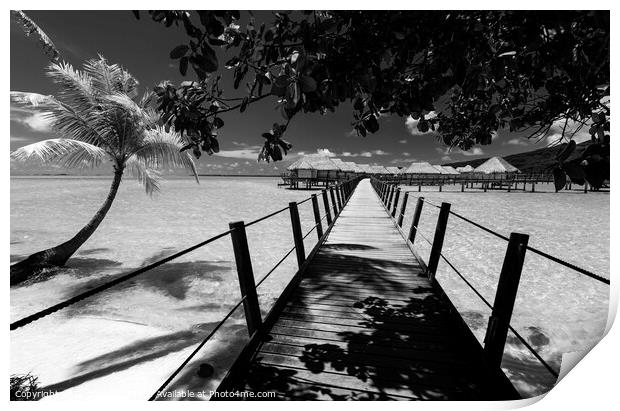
{"x":484,"y":300}
{"x":36,"y":316}
{"x":307,"y":199}
{"x":202,"y":343}
{"x":266,"y":217}
{"x":531,"y":349}
{"x":569,"y":265}
{"x":274,"y":267}
{"x":309,"y":232}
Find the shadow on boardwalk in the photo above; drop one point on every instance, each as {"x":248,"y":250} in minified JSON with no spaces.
{"x":363,"y":326}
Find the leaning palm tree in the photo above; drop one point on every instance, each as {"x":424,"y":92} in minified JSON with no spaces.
{"x":100,"y":116}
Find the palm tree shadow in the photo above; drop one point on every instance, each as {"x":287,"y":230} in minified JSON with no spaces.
{"x":131,"y":355}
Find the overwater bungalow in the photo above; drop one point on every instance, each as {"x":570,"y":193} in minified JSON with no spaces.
{"x":496,"y":166}
{"x":465,"y":169}
{"x":393,"y":170}
{"x":420,"y":168}
{"x":450,"y":170}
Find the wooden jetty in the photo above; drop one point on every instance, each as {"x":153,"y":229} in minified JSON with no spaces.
{"x":365,"y":321}
{"x":363,"y":317}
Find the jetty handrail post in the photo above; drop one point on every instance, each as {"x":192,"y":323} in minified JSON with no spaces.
{"x":396,"y":202}
{"x":317,"y":216}
{"x":389,"y":204}
{"x":326,"y":205}
{"x":333,"y":197}
{"x":246,"y":276}
{"x":297,"y":235}
{"x":401,"y":215}
{"x":499,"y":321}
{"x":416,"y":219}
{"x":339,"y":197}
{"x":440,"y":232}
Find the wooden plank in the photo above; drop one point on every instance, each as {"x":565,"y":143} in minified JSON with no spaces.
{"x":365,"y":322}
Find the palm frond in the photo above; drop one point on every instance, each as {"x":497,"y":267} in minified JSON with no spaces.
{"x":76,"y":88}
{"x":32,"y":29}
{"x":146,"y":176}
{"x":110,"y":78}
{"x":89,"y":126}
{"x":63,"y":151}
{"x":163,"y":149}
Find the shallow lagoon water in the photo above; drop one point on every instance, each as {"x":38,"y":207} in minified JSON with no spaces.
{"x":557,"y":309}
{"x":142,"y":330}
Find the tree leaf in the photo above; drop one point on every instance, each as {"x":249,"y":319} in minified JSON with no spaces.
{"x":179,"y":51}
{"x":559,"y":178}
{"x":308,"y":84}
{"x":183,"y":66}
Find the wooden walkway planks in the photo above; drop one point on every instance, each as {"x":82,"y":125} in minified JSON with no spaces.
{"x":366,"y":323}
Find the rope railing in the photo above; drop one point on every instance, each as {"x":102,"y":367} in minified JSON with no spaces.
{"x":488,"y":304}
{"x":473,"y":288}
{"x":64,"y":304}
{"x":196,"y":350}
{"x":343,"y":195}
{"x":530,"y":248}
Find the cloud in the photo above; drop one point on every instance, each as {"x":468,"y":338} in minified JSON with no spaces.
{"x":380,"y":153}
{"x":517,"y":141}
{"x":412,"y":125}
{"x":364,"y":154}
{"x":403,"y":141}
{"x":34,"y":120}
{"x":476,"y":151}
{"x":351,"y":133}
{"x":325,"y":152}
{"x":446,"y":158}
{"x":347,"y":154}
{"x":250,"y":152}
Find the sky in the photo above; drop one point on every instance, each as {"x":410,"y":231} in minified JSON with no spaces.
{"x":143,"y":46}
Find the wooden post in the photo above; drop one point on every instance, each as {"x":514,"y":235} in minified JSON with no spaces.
{"x":396,"y":202}
{"x":317,"y":216}
{"x":416,"y":219}
{"x":585,"y":187}
{"x":419,"y":187}
{"x":533,"y":187}
{"x":326,"y":205}
{"x":333,"y":197}
{"x":338,"y":197}
{"x":485,"y":187}
{"x":401,"y":215}
{"x":497,"y":330}
{"x":440,"y":232}
{"x":440,"y":187}
{"x":246,"y":276}
{"x":297,"y":235}
{"x":389,"y":203}
{"x":462,"y":187}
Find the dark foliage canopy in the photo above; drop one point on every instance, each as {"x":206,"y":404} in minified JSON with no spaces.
{"x":462,"y":74}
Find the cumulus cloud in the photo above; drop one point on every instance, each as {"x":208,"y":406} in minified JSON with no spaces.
{"x":516,"y":142}
{"x":34,"y":120}
{"x":325,"y":152}
{"x":250,"y":152}
{"x":403,"y":141}
{"x":364,"y":154}
{"x":476,"y":151}
{"x":412,"y":125}
{"x":446,"y":158}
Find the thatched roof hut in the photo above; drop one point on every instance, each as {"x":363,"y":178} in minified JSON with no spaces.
{"x":496,"y":165}
{"x":420,"y":168}
{"x":450,"y":170}
{"x":465,"y":169}
{"x":393,"y":170}
{"x":314,"y":165}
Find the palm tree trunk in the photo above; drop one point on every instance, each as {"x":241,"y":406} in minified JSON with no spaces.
{"x":58,"y":256}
